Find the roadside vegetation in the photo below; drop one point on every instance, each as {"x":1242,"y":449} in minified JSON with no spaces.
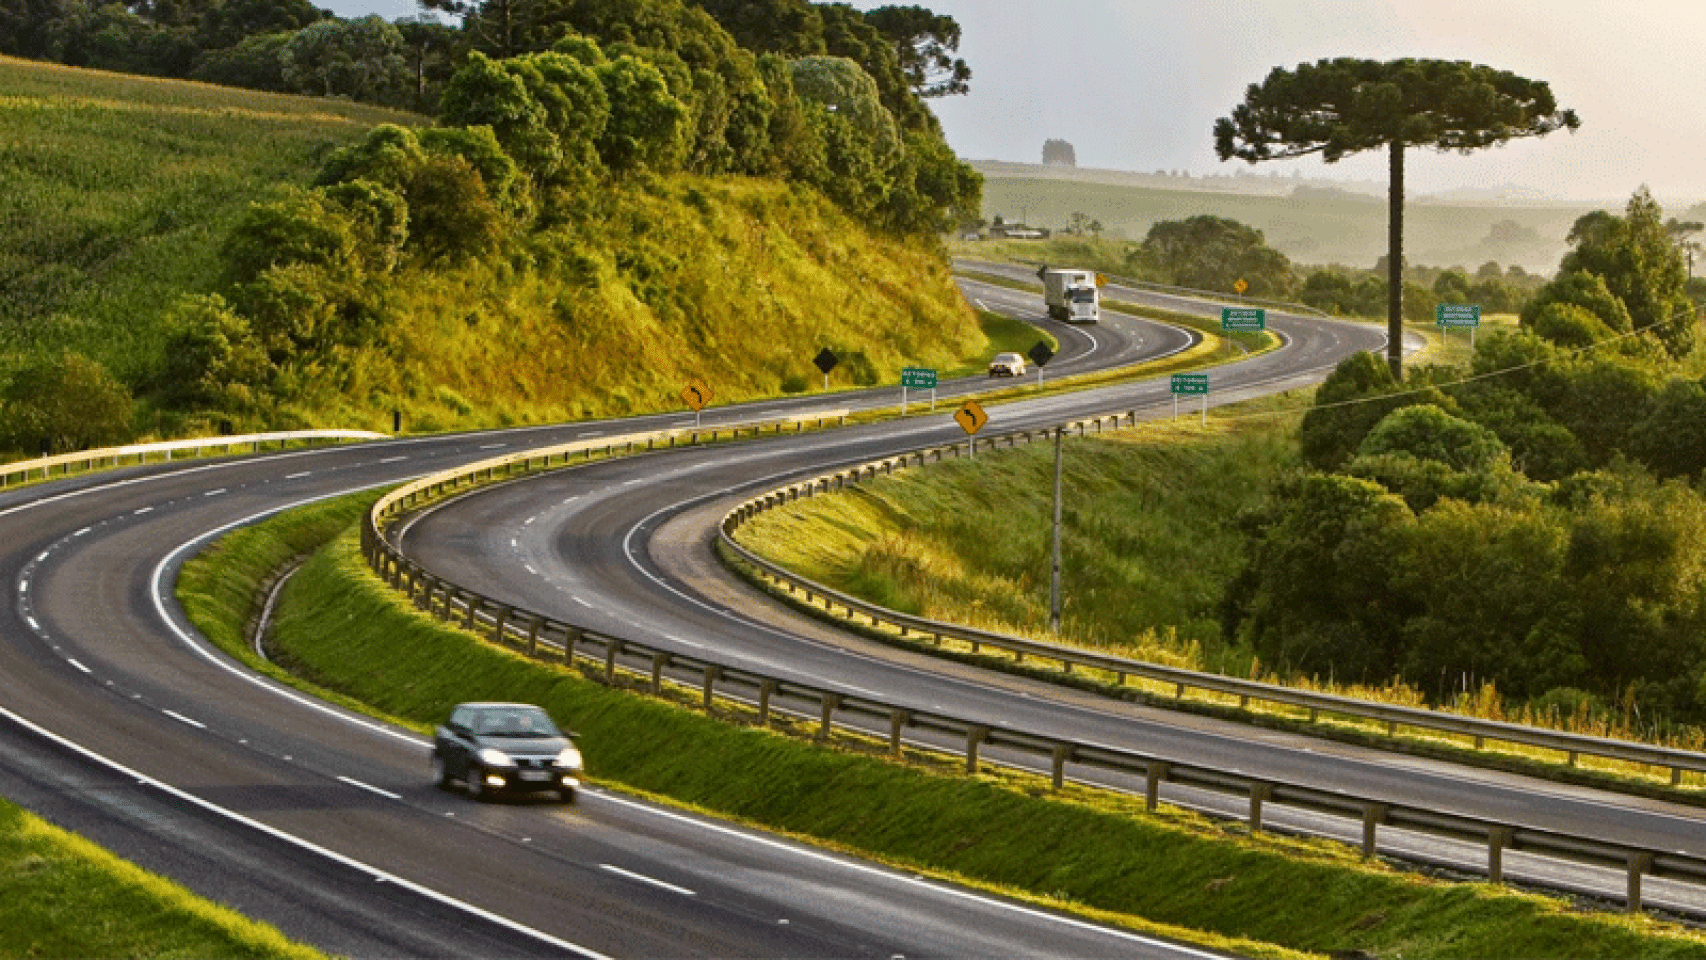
{"x":1516,"y":534}
{"x":66,"y":897}
{"x":1171,"y":873}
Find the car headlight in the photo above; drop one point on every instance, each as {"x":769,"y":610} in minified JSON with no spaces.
{"x":495,"y":758}
{"x":569,"y":759}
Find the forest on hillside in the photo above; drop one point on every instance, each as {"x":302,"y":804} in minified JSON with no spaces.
{"x":579,"y":156}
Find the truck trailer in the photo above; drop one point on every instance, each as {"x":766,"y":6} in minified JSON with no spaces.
{"x":1071,"y":295}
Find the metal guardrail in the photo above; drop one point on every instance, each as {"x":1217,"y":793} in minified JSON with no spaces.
{"x":1572,"y":746}
{"x":113,"y":456}
{"x":549,"y":639}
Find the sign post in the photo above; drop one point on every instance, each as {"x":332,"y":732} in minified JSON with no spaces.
{"x":1190,"y":385}
{"x":917,"y":378}
{"x":971,"y":419}
{"x":1448,"y":315}
{"x":825,"y":361}
{"x":1040,"y":355}
{"x":696,"y":394}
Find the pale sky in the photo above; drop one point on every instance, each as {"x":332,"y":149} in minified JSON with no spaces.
{"x":1138,"y":84}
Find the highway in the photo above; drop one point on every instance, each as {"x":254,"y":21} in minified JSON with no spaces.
{"x":120,"y":722}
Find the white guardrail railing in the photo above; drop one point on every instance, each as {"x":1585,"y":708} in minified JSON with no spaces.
{"x":22,"y":470}
{"x":604,"y":654}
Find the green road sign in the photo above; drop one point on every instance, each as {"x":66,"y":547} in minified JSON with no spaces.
{"x":1190,"y":383}
{"x":918,"y":378}
{"x":1458,"y":315}
{"x":1243,"y":318}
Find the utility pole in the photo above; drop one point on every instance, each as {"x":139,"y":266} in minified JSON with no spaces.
{"x":1054,"y":577}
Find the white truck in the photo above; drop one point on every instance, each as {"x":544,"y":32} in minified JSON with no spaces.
{"x":1071,"y":295}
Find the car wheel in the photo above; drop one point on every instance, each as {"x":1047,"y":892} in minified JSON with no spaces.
{"x":440,"y":773}
{"x":477,"y":784}
{"x":566,"y":794}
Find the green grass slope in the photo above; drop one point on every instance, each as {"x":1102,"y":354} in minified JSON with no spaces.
{"x":117,"y":193}
{"x":66,"y":897}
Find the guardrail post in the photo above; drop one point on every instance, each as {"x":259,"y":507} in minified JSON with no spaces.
{"x":827,"y":703}
{"x":474,"y":601}
{"x":659,"y":661}
{"x":533,"y":624}
{"x":1676,"y":776}
{"x":1373,"y":815}
{"x":571,"y":636}
{"x":897,"y":719}
{"x":501,"y":624}
{"x":713,"y":673}
{"x":766,"y":689}
{"x":1259,"y":793}
{"x":1155,"y":772}
{"x":1498,"y":838}
{"x":1639,"y":863}
{"x":612,"y":647}
{"x":975,"y":735}
{"x":1062,"y":753}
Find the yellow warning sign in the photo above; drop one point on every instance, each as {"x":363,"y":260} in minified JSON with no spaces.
{"x":971,"y":417}
{"x":696,"y":394}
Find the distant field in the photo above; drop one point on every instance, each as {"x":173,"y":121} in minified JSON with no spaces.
{"x":1315,"y":227}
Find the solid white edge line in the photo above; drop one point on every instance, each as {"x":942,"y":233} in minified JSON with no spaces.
{"x":293,"y":840}
{"x":631,"y":875}
{"x":370,"y":788}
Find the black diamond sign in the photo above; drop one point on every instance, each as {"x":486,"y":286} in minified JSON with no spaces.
{"x":1041,"y":354}
{"x":825,"y":360}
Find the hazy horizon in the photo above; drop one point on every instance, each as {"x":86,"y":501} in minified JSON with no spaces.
{"x":1136,"y":85}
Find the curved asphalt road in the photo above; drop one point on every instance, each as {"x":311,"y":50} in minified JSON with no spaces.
{"x":118,"y":721}
{"x":623,"y":547}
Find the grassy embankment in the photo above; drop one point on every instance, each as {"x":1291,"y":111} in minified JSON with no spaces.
{"x":1149,"y":544}
{"x":119,"y":191}
{"x":1085,"y":851}
{"x":66,"y":897}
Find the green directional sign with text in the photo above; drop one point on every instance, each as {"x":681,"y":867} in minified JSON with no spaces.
{"x":1243,"y":318}
{"x":1458,"y":315}
{"x":918,"y":378}
{"x":1190,"y":383}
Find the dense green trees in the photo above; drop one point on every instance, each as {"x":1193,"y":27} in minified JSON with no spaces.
{"x":1533,"y":521}
{"x":1213,"y":253}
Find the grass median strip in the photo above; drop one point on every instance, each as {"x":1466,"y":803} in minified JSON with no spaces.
{"x":67,"y":897}
{"x":1172,"y":873}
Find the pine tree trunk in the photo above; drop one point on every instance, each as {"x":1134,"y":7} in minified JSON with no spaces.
{"x":1395,"y":261}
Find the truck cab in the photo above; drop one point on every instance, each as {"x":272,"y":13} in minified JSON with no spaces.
{"x":1072,"y":295}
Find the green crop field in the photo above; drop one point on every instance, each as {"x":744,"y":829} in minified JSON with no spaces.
{"x":116,"y":192}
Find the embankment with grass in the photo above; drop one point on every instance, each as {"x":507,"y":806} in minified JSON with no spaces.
{"x":1171,"y":873}
{"x":119,"y":195}
{"x":67,"y":897}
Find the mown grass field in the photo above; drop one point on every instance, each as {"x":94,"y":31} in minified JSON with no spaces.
{"x":66,"y":897}
{"x":1171,"y":873}
{"x":1318,"y":228}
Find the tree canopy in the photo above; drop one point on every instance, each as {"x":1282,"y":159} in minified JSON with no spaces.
{"x":1339,"y":107}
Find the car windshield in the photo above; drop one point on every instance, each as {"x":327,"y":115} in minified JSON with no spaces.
{"x":1007,"y":358}
{"x":514,"y":722}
